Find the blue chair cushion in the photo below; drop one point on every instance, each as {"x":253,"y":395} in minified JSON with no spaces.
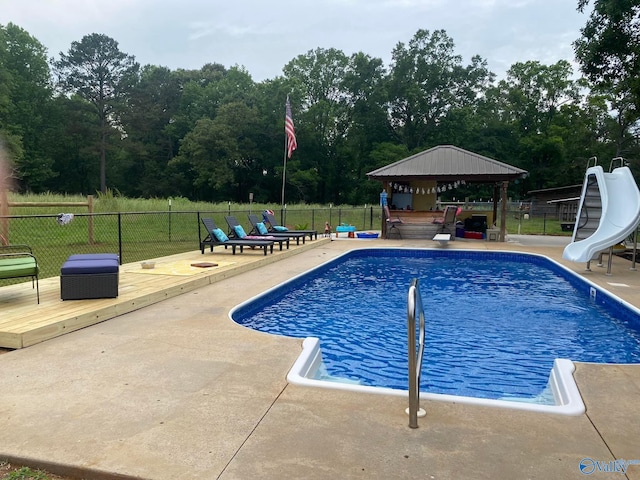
{"x":240,"y":233}
{"x":219,"y":234}
{"x":104,"y":265}
{"x":280,"y":228}
{"x":262,"y":229}
{"x":94,"y":256}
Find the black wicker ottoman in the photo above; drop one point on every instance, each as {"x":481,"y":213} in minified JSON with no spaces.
{"x":89,"y":276}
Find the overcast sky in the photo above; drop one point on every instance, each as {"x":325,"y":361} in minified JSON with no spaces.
{"x":264,"y":35}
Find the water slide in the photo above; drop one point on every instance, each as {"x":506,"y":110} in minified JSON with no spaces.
{"x":614,"y":198}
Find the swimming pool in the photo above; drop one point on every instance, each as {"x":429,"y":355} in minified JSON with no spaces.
{"x":501,"y":326}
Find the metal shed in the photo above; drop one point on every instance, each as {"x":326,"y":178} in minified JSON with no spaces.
{"x":559,"y":202}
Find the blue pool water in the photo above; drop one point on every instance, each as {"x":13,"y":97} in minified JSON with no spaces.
{"x":495,"y":321}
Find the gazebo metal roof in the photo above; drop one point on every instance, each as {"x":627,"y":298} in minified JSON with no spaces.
{"x":448,"y":163}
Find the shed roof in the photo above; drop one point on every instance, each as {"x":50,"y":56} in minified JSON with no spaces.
{"x":564,"y":200}
{"x":556,"y":190}
{"x":447,"y":163}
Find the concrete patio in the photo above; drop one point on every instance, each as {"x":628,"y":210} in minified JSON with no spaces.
{"x":177,"y":390}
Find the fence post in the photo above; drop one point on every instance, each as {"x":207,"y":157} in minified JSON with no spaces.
{"x":169,"y":219}
{"x":199,"y":233}
{"x":90,"y":208}
{"x":371,"y":217}
{"x":4,"y":213}
{"x":120,"y":237}
{"x":364,"y":220}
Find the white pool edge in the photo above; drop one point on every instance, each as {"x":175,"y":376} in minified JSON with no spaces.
{"x":561,"y":381}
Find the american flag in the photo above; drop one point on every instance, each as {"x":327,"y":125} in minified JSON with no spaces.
{"x":289,"y":130}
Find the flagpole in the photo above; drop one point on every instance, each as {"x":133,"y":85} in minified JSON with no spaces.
{"x":284,"y":170}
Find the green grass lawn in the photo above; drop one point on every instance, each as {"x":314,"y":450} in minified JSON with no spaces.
{"x":535,"y":226}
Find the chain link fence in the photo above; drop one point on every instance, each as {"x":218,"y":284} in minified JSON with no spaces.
{"x":138,"y":236}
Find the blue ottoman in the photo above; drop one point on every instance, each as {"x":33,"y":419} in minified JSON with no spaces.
{"x":89,"y":276}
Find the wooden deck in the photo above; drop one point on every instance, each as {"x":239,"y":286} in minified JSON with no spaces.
{"x":24,"y":322}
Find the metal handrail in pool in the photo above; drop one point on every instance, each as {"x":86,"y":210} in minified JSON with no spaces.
{"x":414,"y":309}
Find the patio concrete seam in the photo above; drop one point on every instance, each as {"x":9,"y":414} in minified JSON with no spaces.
{"x":604,"y":441}
{"x":266,"y":412}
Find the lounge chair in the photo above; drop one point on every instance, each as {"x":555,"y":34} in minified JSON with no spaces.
{"x":237,"y":231}
{"x":18,"y":261}
{"x":275,"y":227}
{"x":259,"y":228}
{"x":391,"y":222}
{"x":215,"y":236}
{"x":447,"y":221}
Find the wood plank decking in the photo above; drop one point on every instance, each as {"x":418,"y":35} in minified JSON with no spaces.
{"x":23,"y":322}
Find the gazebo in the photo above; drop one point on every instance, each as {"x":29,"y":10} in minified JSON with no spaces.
{"x":413,"y":183}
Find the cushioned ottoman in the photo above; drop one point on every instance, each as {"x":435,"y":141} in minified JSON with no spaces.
{"x":89,"y":276}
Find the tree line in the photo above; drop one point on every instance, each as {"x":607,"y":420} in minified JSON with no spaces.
{"x":93,"y":119}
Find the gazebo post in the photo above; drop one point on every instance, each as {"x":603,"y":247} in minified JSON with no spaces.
{"x":503,"y":213}
{"x":496,"y":197}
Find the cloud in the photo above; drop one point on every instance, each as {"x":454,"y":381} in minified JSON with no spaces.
{"x":206,"y":29}
{"x":264,"y":36}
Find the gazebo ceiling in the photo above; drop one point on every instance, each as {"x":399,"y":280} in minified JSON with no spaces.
{"x":448,"y":163}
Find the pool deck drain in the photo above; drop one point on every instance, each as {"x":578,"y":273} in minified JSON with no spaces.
{"x":177,"y":390}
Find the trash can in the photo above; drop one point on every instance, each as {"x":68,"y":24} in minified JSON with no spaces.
{"x":493,"y":235}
